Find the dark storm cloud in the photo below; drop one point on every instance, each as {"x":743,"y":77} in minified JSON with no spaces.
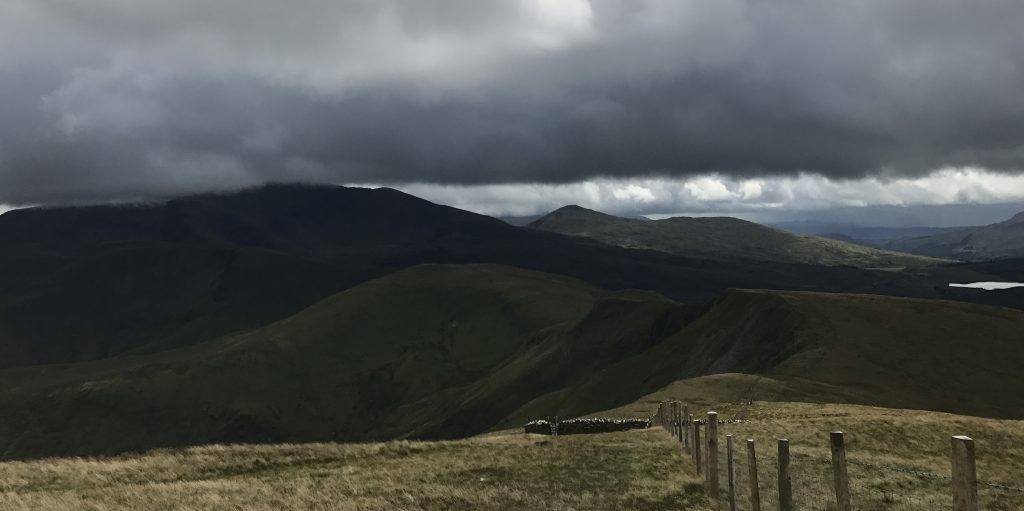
{"x":120,"y":99}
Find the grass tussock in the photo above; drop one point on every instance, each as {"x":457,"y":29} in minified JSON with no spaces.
{"x":633,"y":470}
{"x":897,"y":459}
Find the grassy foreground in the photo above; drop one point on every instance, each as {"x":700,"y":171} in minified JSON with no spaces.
{"x":508,"y":471}
{"x":897,"y":459}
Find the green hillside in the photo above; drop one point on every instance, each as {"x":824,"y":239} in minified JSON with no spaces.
{"x":833,"y":348}
{"x":996,"y":241}
{"x":721,"y":237}
{"x":449,"y":351}
{"x":90,"y":283}
{"x":434,"y":351}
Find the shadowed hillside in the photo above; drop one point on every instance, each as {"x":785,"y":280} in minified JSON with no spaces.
{"x":450,"y":351}
{"x":837,"y":348}
{"x":88,"y":283}
{"x":433,"y":351}
{"x":720,"y":237}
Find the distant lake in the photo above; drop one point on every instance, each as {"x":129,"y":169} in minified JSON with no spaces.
{"x":989,"y":286}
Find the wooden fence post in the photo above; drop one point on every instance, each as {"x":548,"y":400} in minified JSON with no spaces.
{"x":679,"y":423}
{"x":785,"y":482}
{"x":839,"y":473}
{"x":713,"y":454}
{"x":705,"y":460}
{"x":696,"y":448}
{"x":706,"y":474}
{"x":555,"y":425}
{"x":755,"y":492}
{"x":965,"y":477}
{"x":686,"y":427}
{"x":675,"y":420}
{"x":730,"y":472}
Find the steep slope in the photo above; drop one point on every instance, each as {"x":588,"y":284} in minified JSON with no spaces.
{"x":94,"y":282}
{"x":442,"y":351}
{"x":293,"y":217}
{"x":835,"y":348}
{"x":84,"y":283}
{"x":433,"y":351}
{"x":996,"y":241}
{"x":720,"y":237}
{"x":876,"y":237}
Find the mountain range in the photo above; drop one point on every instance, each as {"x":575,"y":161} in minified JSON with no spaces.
{"x":996,"y":241}
{"x":721,"y":237}
{"x":299,"y":313}
{"x":877,"y":237}
{"x":446,"y":351}
{"x":84,"y":283}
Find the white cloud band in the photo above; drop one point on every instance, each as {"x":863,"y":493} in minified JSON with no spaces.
{"x":716,"y":193}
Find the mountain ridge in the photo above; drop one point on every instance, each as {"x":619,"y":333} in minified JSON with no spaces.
{"x":87,"y":283}
{"x":445,"y":351}
{"x":1001,"y":240}
{"x":726,"y":237}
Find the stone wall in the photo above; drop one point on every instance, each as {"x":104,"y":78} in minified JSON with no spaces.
{"x":586,"y":426}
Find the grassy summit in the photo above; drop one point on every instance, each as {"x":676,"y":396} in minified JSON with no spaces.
{"x":641,"y":470}
{"x":897,"y":459}
{"x":721,"y":237}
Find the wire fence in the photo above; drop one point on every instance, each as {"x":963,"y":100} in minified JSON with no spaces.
{"x":812,"y":472}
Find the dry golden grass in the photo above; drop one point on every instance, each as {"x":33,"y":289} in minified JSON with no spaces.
{"x":898,"y":459}
{"x":506,"y":471}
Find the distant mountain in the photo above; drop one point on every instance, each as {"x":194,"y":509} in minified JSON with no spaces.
{"x":522,"y":221}
{"x":877,"y":237}
{"x":720,"y":237}
{"x":93,"y":283}
{"x":85,"y":283}
{"x":519,"y":221}
{"x":442,"y":351}
{"x":295,"y":218}
{"x":897,"y":216}
{"x":1000,"y":240}
{"x":838,"y":237}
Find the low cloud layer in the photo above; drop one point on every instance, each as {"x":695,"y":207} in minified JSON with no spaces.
{"x":756,"y":198}
{"x":118,"y":99}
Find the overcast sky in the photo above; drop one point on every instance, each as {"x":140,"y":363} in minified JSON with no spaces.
{"x":517,"y":106}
